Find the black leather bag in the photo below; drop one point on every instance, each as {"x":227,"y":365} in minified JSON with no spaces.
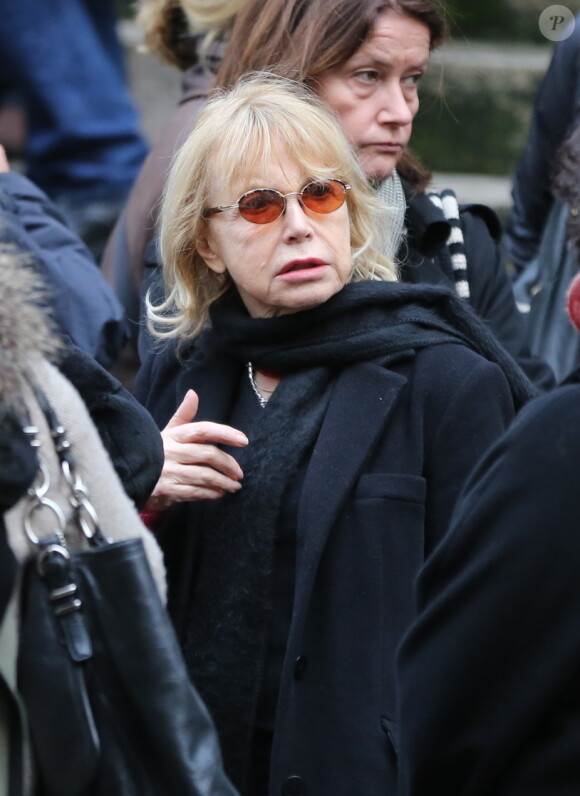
{"x":110,"y":706}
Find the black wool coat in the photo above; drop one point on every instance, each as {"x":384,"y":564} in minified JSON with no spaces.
{"x":395,"y":446}
{"x":490,"y":671}
{"x":425,"y":258}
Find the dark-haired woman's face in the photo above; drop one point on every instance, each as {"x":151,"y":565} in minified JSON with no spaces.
{"x":375,"y":91}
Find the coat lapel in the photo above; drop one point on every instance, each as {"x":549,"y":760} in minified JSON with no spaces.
{"x":360,"y":405}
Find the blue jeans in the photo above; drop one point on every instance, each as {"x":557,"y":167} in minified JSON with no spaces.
{"x":65,"y":61}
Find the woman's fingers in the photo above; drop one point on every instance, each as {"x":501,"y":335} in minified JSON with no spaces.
{"x":186,"y":411}
{"x":195,"y":468}
{"x":181,"y":480}
{"x":190,"y":482}
{"x":167,"y":493}
{"x":205,"y":431}
{"x":205,"y":455}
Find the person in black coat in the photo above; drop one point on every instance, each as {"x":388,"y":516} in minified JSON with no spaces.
{"x":426,"y":258}
{"x":489,"y":673}
{"x":317,"y":432}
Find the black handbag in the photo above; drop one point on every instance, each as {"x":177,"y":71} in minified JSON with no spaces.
{"x":110,"y":706}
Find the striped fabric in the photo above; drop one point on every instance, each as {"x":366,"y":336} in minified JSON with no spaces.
{"x":446,"y":201}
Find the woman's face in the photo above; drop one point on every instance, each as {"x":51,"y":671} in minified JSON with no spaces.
{"x":297,"y":261}
{"x":375,"y":91}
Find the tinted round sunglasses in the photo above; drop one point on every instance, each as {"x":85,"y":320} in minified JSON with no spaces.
{"x":263,"y":205}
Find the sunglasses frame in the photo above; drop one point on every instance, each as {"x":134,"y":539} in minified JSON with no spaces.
{"x":213,"y":210}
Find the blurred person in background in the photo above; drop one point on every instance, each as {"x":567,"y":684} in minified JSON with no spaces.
{"x":190,"y":35}
{"x":83,"y":305}
{"x":64,"y":62}
{"x":536,"y":238}
{"x":556,"y":110}
{"x":88,"y":319}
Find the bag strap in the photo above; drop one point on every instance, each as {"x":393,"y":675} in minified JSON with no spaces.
{"x":84,"y":513}
{"x":53,"y":559}
{"x":446,"y":201}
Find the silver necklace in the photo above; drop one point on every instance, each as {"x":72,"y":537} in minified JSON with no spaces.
{"x":257,"y":387}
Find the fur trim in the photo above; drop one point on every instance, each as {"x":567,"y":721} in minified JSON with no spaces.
{"x":25,"y":326}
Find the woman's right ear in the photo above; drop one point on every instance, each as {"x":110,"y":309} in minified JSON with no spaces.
{"x":208,"y":251}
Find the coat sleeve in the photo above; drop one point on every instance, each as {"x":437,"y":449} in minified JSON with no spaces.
{"x":493,"y":299}
{"x":84,"y":306}
{"x":489,"y":673}
{"x":127,"y":430}
{"x":556,"y":107}
{"x":467,"y":411}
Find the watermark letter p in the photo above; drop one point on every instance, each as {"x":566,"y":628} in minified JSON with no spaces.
{"x":557,"y":22}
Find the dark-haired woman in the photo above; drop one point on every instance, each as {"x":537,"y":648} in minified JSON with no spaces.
{"x":366,"y":58}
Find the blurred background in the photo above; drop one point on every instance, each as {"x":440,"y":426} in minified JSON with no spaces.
{"x":475,"y":101}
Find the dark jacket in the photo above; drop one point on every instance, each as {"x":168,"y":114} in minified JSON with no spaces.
{"x":425,"y":258}
{"x":82,"y":304}
{"x":490,"y":672}
{"x":395,"y":445}
{"x":556,"y":110}
{"x":126,"y":429}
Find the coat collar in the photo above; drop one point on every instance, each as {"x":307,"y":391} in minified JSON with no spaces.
{"x":427,"y":227}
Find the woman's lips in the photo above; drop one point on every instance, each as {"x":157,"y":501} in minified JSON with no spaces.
{"x":302,"y":269}
{"x":387,"y":147}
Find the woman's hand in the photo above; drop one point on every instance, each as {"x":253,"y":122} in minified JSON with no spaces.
{"x":194,"y":468}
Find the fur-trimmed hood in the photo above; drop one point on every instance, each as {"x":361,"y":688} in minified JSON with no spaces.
{"x":26,"y":332}
{"x":28,"y":344}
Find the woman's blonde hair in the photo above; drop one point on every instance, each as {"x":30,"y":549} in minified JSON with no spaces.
{"x":239,"y":130}
{"x":171,"y":25}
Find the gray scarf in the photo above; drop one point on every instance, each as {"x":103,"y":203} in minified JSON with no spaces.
{"x":390,"y":221}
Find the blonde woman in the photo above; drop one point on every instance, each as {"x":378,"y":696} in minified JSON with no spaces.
{"x":319,"y":421}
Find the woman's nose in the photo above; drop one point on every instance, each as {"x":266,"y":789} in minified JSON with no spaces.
{"x":296,"y":222}
{"x":394,"y":107}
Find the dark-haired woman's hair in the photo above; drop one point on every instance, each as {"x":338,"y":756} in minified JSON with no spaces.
{"x":566,"y":182}
{"x":302,"y":39}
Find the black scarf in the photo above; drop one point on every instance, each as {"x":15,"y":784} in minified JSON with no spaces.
{"x":363,"y":321}
{"x":225,"y":639}
{"x":226,"y":635}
